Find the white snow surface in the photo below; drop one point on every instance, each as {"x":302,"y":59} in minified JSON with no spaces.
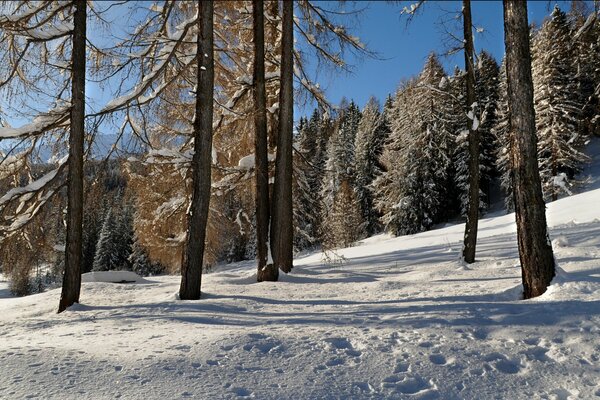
{"x":401,"y":318}
{"x":112,"y":277}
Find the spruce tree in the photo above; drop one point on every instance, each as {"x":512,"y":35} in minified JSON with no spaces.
{"x":412,"y":194}
{"x":371,"y":134}
{"x":107,"y":256}
{"x":557,"y":105}
{"x":502,"y":135}
{"x":344,"y":222}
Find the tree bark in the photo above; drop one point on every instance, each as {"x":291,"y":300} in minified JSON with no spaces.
{"x":71,"y":287}
{"x":470,"y":241}
{"x":282,"y":216}
{"x":193,"y":255}
{"x":535,"y":250}
{"x":266,"y":270}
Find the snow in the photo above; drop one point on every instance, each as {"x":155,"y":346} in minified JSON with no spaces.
{"x":112,"y":277}
{"x":398,"y":318}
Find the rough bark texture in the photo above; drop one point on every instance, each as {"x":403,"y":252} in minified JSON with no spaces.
{"x":193,"y":255}
{"x":470,"y":241}
{"x":265,"y":272}
{"x":74,"y":242}
{"x":535,"y":250}
{"x":282,"y":215}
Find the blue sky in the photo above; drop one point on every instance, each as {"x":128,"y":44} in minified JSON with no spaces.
{"x":404,"y":48}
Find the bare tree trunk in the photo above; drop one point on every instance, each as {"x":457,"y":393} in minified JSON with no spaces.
{"x":193,"y":255}
{"x":470,"y":241}
{"x":535,"y":250}
{"x":266,"y":270}
{"x":282,"y":230}
{"x":74,"y":242}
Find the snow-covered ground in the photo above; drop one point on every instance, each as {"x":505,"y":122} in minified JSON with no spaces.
{"x":400,"y":318}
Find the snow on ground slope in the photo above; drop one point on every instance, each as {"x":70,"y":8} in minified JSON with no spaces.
{"x":401,"y":318}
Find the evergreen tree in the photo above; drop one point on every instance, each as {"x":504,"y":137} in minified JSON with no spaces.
{"x":487,"y":74}
{"x":340,"y":154}
{"x":371,"y":134}
{"x":140,"y":261}
{"x":557,"y":105}
{"x":502,"y":136}
{"x":107,"y":250}
{"x":344,"y":226}
{"x":412,"y":194}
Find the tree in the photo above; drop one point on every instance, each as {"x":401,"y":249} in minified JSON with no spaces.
{"x":74,"y":244}
{"x":191,"y":268}
{"x":557,"y":105}
{"x":282,"y":230}
{"x":535,"y":250}
{"x":487,"y":91}
{"x":108,"y":257}
{"x":266,"y":270}
{"x":470,"y":239}
{"x":412,"y":194}
{"x":344,"y":223}
{"x":501,"y":133}
{"x":370,"y":137}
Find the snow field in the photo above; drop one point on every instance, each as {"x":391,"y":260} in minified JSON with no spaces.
{"x":401,"y":318}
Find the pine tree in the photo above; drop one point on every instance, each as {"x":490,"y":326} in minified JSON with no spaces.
{"x":557,"y":105}
{"x":370,"y":137}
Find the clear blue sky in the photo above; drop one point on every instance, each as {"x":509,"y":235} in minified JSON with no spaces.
{"x":404,"y":48}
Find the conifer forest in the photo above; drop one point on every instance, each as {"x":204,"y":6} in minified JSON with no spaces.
{"x":221,"y":199}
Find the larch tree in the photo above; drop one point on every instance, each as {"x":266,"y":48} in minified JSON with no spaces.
{"x":191,"y":268}
{"x":535,"y":249}
{"x":74,"y":244}
{"x":470,"y":237}
{"x":282,"y":229}
{"x":266,"y":269}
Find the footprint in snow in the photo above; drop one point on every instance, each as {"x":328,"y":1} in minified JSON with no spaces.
{"x":438,"y":359}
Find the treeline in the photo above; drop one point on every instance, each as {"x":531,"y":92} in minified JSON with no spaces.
{"x":207,"y":89}
{"x":403,"y":167}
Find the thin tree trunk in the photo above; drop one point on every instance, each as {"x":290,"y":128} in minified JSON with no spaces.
{"x":193,"y":255}
{"x":282,"y":233}
{"x":74,"y":242}
{"x":470,"y":241}
{"x":535,"y":250}
{"x":266,"y":270}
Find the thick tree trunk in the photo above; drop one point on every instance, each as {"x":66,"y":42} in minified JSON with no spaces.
{"x":470,"y":241}
{"x":193,"y":255}
{"x":282,"y":229}
{"x":266,"y":270}
{"x":74,"y":242}
{"x":535,"y":250}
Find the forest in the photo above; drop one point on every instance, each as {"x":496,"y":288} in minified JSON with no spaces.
{"x":165,"y":139}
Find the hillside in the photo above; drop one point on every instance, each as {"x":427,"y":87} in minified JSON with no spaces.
{"x":400,"y":318}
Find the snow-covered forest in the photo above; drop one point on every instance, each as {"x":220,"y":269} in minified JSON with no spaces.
{"x":200,"y":239}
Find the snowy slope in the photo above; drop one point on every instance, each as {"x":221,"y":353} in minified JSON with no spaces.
{"x":401,"y":318}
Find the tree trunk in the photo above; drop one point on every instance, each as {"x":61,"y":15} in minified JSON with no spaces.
{"x":266,"y":270}
{"x":535,"y":250}
{"x":74,"y":242}
{"x":281,"y":222}
{"x":470,"y":241}
{"x":193,"y":255}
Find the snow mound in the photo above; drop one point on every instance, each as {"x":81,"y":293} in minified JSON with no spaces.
{"x":112,"y":277}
